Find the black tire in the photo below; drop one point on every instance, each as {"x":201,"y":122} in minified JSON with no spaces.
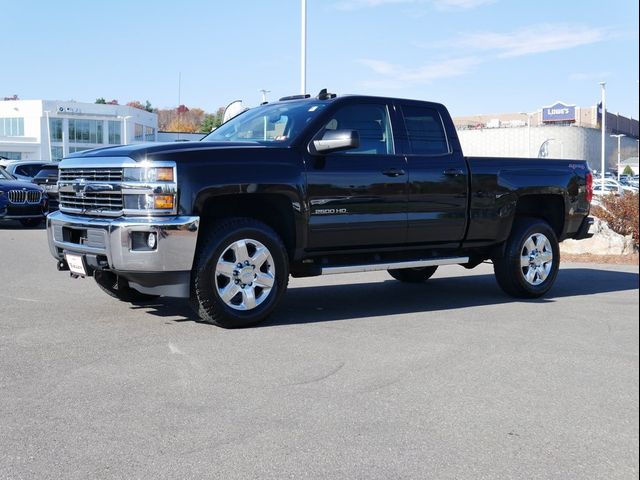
{"x":511,"y":275}
{"x":118,"y":287}
{"x":413,"y":275}
{"x":217,"y":242}
{"x":31,"y":222}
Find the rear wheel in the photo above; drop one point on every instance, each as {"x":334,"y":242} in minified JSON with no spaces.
{"x":241,"y":272}
{"x":530,"y":264}
{"x":413,"y":275}
{"x":118,"y":287}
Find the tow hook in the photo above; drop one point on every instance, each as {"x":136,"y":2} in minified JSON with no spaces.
{"x":62,"y":266}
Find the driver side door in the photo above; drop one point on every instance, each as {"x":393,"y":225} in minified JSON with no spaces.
{"x":358,"y":197}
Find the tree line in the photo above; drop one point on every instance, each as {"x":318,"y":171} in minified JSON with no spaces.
{"x":180,"y":119}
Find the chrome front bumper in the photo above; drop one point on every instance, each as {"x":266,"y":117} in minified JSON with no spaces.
{"x":111,"y":239}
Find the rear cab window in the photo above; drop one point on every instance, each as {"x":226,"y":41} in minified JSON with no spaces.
{"x":425,"y":131}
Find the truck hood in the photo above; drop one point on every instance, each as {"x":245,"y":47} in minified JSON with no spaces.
{"x":141,"y":151}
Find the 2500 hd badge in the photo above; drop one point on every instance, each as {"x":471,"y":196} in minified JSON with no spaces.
{"x":329,"y":211}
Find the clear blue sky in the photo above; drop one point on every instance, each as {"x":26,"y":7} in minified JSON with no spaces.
{"x":476,"y":56}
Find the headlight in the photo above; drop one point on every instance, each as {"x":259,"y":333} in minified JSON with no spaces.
{"x":149,"y":188}
{"x":148,"y":174}
{"x":149,"y":202}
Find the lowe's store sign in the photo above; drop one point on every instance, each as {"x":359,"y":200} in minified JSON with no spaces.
{"x":559,"y":113}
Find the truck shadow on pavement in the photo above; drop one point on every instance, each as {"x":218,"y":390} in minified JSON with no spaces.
{"x":326,"y":303}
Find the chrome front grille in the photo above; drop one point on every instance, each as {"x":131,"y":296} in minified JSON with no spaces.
{"x":21,"y":197}
{"x":91,"y":174}
{"x":102,"y":201}
{"x":73,"y":197}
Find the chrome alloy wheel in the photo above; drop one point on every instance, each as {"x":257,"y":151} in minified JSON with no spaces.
{"x":245,"y":274}
{"x":536,"y":259}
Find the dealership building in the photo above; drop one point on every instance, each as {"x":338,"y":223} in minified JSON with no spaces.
{"x":51,"y":129}
{"x":556,"y":131}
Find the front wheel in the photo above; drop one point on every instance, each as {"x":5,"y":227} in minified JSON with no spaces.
{"x":241,"y":272}
{"x":530,"y":264}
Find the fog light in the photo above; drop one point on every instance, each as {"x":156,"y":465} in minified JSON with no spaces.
{"x":151,"y":241}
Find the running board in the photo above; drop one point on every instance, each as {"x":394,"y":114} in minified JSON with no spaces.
{"x":388,"y":266}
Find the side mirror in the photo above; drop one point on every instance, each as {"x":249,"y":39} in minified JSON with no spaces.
{"x":334,"y":141}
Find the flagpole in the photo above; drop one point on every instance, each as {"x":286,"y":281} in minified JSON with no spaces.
{"x":303,"y":48}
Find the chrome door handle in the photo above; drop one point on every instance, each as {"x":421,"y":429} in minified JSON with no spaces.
{"x":453,"y":172}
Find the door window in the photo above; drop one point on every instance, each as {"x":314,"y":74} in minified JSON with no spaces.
{"x":425,"y":131}
{"x":372,"y":124}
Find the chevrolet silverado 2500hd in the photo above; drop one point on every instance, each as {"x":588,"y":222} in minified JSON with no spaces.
{"x":309,"y":186}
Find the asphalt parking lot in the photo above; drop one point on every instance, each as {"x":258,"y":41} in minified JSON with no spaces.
{"x":356,"y":376}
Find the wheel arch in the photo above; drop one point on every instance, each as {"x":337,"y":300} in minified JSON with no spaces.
{"x":274,"y":209}
{"x":547,"y":207}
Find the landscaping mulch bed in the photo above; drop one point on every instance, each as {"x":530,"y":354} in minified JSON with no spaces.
{"x":609,"y":259}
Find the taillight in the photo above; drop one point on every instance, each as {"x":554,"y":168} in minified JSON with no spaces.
{"x":589,"y":179}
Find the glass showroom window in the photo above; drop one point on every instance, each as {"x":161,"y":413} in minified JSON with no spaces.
{"x":114,"y":132}
{"x":78,"y":149}
{"x":55,"y":127}
{"x":11,"y":127}
{"x":85,"y":131}
{"x":11,"y":155}
{"x":137,"y":134}
{"x":149,"y":134}
{"x":57,"y":152}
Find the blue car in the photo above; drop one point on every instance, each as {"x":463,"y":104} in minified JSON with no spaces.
{"x":22,"y":201}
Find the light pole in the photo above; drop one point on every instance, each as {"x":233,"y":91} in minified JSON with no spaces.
{"x":604,"y":122}
{"x":618,"y":136}
{"x":264,"y":118}
{"x":264,"y":94}
{"x":303,"y":48}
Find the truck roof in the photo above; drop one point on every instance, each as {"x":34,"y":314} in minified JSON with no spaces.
{"x":332,"y":97}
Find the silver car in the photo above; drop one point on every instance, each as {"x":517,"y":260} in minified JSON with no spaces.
{"x":25,"y":169}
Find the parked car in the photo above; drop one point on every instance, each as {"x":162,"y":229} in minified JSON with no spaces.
{"x":47,"y":178}
{"x":612,"y":186}
{"x":311,"y":186}
{"x":631,"y":181}
{"x":608,"y":189}
{"x":25,"y":169}
{"x":23,"y":201}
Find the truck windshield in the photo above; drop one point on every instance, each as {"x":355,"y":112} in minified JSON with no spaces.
{"x":276,"y":124}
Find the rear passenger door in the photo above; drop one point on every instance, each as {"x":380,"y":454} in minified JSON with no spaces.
{"x":438,"y":177}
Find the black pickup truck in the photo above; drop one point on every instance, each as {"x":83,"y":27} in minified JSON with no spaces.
{"x":310,"y":186}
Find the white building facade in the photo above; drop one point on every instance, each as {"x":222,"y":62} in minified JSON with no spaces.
{"x":51,"y":130}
